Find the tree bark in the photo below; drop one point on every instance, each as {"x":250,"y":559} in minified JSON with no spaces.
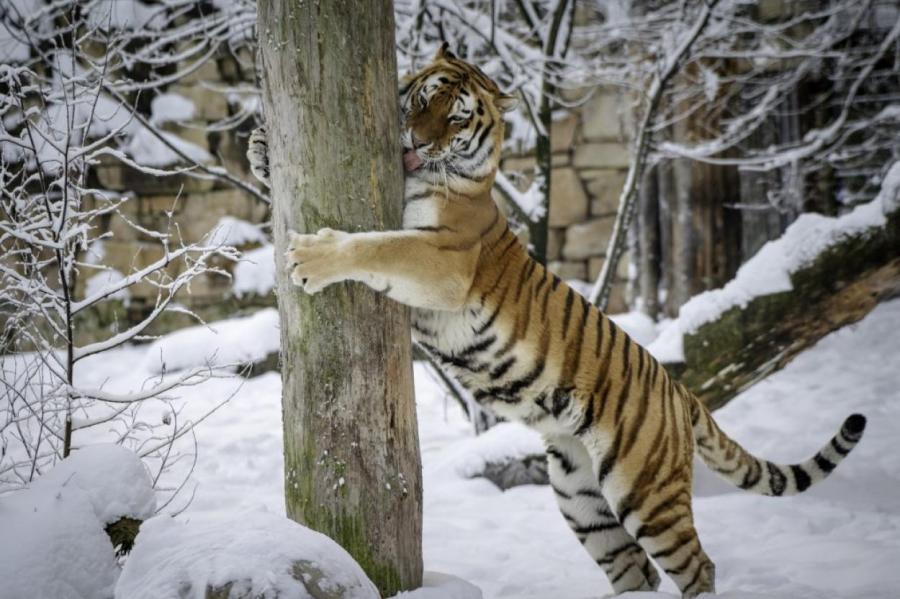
{"x":648,"y":240}
{"x":352,"y":468}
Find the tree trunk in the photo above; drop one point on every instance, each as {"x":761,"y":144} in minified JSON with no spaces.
{"x":648,"y":242}
{"x":352,"y":468}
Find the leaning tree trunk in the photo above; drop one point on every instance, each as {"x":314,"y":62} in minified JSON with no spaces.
{"x":352,"y":468}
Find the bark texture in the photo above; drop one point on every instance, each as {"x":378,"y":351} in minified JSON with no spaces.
{"x":352,"y":468}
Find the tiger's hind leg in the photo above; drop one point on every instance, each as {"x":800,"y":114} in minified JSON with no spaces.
{"x":661,"y":520}
{"x":590,"y":518}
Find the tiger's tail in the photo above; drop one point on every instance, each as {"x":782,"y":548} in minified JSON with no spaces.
{"x":738,"y":466}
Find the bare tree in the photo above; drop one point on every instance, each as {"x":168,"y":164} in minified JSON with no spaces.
{"x":719,"y":80}
{"x":57,"y":119}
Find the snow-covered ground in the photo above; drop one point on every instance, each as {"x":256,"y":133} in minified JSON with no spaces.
{"x":839,"y":540}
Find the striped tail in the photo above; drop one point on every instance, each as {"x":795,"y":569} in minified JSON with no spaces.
{"x":736,"y":465}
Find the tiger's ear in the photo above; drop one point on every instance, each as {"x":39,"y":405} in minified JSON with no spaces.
{"x":444,"y":52}
{"x":505,"y":103}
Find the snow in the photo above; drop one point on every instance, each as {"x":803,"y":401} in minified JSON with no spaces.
{"x":146,"y":149}
{"x":235,"y":232}
{"x":124,"y":14}
{"x":170,"y":108}
{"x":502,"y":443}
{"x":255,"y":273}
{"x":530,"y":201}
{"x":54,"y":545}
{"x":112,"y":477}
{"x":840,"y":540}
{"x":638,"y":325}
{"x":232,"y":341}
{"x":104,"y":279}
{"x":442,"y":586}
{"x":769,"y":270}
{"x":257,"y":551}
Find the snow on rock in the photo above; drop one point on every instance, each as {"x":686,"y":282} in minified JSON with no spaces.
{"x":502,"y":443}
{"x":113,"y":478}
{"x":668,"y":346}
{"x":258,"y":553}
{"x":442,"y":586}
{"x":234,"y":231}
{"x":770,"y":269}
{"x":638,"y":325}
{"x":53,"y":541}
{"x":147,"y":150}
{"x":255,"y":273}
{"x":231,"y":341}
{"x":170,"y":108}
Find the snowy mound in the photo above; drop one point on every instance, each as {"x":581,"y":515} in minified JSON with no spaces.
{"x":505,"y":442}
{"x":224,"y":342}
{"x":253,"y":554}
{"x":113,"y":479}
{"x":53,"y":542}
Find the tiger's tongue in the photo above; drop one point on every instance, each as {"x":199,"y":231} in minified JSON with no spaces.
{"x":411,"y":160}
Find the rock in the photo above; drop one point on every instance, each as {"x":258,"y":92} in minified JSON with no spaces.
{"x":555,"y":239}
{"x":596,"y":263}
{"x":560,"y":159}
{"x":603,"y":117}
{"x":239,"y":555}
{"x":530,"y":470}
{"x":211,"y":105}
{"x":602,"y":155}
{"x":568,"y":270}
{"x":208,"y":71}
{"x":116,"y":176}
{"x":562,"y":134}
{"x":568,"y":200}
{"x":588,"y":239}
{"x":604,"y":187}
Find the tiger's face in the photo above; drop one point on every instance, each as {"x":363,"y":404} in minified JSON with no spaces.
{"x":451,"y":120}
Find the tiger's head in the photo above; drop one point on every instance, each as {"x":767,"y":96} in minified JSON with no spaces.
{"x":451,"y":120}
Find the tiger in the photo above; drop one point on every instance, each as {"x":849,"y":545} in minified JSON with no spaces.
{"x":620,"y":431}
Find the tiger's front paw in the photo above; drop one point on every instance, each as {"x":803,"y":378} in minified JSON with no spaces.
{"x":316,"y":261}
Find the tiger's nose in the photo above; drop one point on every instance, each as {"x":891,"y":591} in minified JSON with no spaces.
{"x":416,"y":142}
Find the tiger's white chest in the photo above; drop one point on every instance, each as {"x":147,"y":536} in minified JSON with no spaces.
{"x":420,"y":207}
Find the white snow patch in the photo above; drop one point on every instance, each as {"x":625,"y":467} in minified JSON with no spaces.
{"x":502,"y":443}
{"x":170,"y":108}
{"x":442,"y":586}
{"x":113,"y":478}
{"x":668,"y":346}
{"x":231,"y":341}
{"x":53,"y":542}
{"x":146,"y":149}
{"x":235,"y":232}
{"x":638,"y":325}
{"x":256,"y":551}
{"x":255,"y":273}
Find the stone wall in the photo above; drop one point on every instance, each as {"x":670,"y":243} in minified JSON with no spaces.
{"x":188,"y":207}
{"x":590,"y":159}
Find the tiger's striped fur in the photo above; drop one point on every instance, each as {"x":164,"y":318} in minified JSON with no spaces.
{"x":620,"y":432}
